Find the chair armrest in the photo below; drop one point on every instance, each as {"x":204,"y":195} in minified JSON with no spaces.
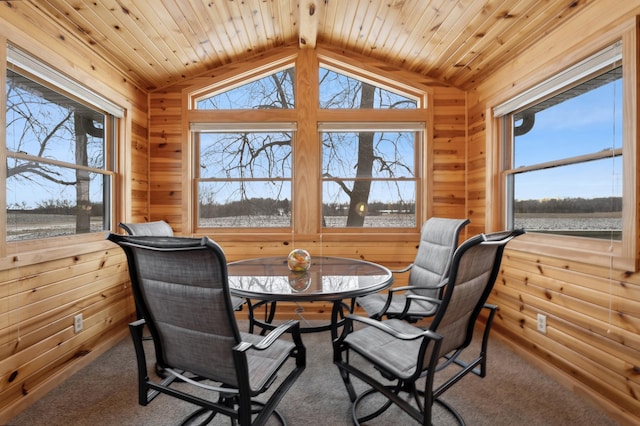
{"x":403,"y":270}
{"x":401,"y":288}
{"x":411,"y":297}
{"x":385,"y":328}
{"x":393,"y":290}
{"x":387,"y":302}
{"x":268,"y":340}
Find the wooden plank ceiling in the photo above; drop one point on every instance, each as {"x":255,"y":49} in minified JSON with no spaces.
{"x":156,"y":43}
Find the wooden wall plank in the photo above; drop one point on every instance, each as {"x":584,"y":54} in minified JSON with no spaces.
{"x":45,"y":283}
{"x":592,"y":310}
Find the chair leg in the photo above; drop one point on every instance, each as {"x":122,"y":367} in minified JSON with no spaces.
{"x":342,"y":369}
{"x":354,"y":407}
{"x":347,"y":383}
{"x":136,"y":330}
{"x":451,"y":410}
{"x":197,"y":414}
{"x":389,"y":392}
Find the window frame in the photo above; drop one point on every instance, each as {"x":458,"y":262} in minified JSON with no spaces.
{"x":247,"y":127}
{"x":607,"y":253}
{"x":307,"y":117}
{"x":43,"y":74}
{"x":357,"y":126}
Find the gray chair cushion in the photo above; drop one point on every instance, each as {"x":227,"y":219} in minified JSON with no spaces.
{"x":395,"y":356}
{"x":159,"y":228}
{"x":181,"y":288}
{"x":438,"y":241}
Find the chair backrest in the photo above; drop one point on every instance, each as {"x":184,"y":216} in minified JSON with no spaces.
{"x":474,"y":269}
{"x":181,"y":287}
{"x":438,"y":241}
{"x":158,"y":228}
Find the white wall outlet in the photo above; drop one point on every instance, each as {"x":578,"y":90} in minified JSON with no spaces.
{"x":542,"y":323}
{"x":77,"y":323}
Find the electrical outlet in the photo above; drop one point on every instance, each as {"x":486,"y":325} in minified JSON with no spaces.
{"x":77,"y":323}
{"x":542,"y":323}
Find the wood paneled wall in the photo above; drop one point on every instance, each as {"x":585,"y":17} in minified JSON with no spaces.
{"x":592,"y":343}
{"x":45,"y":283}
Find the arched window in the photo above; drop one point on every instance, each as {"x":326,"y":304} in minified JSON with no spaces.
{"x":249,"y":159}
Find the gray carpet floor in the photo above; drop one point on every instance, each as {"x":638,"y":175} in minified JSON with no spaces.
{"x":513,"y":393}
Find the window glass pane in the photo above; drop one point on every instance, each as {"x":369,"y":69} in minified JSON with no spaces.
{"x":40,"y":207}
{"x":369,"y":178}
{"x":45,"y":123}
{"x":244,"y":204}
{"x":272,"y":91}
{"x":369,"y":154}
{"x":245,"y":179}
{"x":56,"y":151}
{"x":571,"y":146}
{"x":341,"y":91}
{"x":386,"y":204}
{"x":593,"y":207}
{"x":245,"y":155}
{"x":582,"y":120}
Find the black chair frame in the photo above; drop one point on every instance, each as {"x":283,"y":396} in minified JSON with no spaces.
{"x":433,"y":355}
{"x":416,"y":285}
{"x":236,"y":402}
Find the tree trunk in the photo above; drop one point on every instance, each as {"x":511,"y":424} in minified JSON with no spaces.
{"x":358,"y":204}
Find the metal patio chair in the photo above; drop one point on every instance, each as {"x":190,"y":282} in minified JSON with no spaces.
{"x":160,"y":228}
{"x":402,"y":353}
{"x":181,"y":286}
{"x":438,"y":241}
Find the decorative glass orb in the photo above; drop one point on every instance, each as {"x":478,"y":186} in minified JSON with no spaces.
{"x":299,"y":260}
{"x":299,"y":281}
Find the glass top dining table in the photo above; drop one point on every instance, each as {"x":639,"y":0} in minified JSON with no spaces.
{"x":268,"y":280}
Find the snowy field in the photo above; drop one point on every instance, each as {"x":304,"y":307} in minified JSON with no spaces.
{"x":23,"y":226}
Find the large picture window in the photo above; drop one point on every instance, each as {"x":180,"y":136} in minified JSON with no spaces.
{"x":564,"y":153}
{"x":261,"y":172}
{"x":59,"y":156}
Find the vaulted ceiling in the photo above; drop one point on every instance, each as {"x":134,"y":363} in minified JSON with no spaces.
{"x":156,"y":43}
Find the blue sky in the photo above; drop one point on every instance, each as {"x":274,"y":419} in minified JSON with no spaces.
{"x":578,"y":126}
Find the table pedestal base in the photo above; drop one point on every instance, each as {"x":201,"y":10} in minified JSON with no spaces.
{"x":337,"y":317}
